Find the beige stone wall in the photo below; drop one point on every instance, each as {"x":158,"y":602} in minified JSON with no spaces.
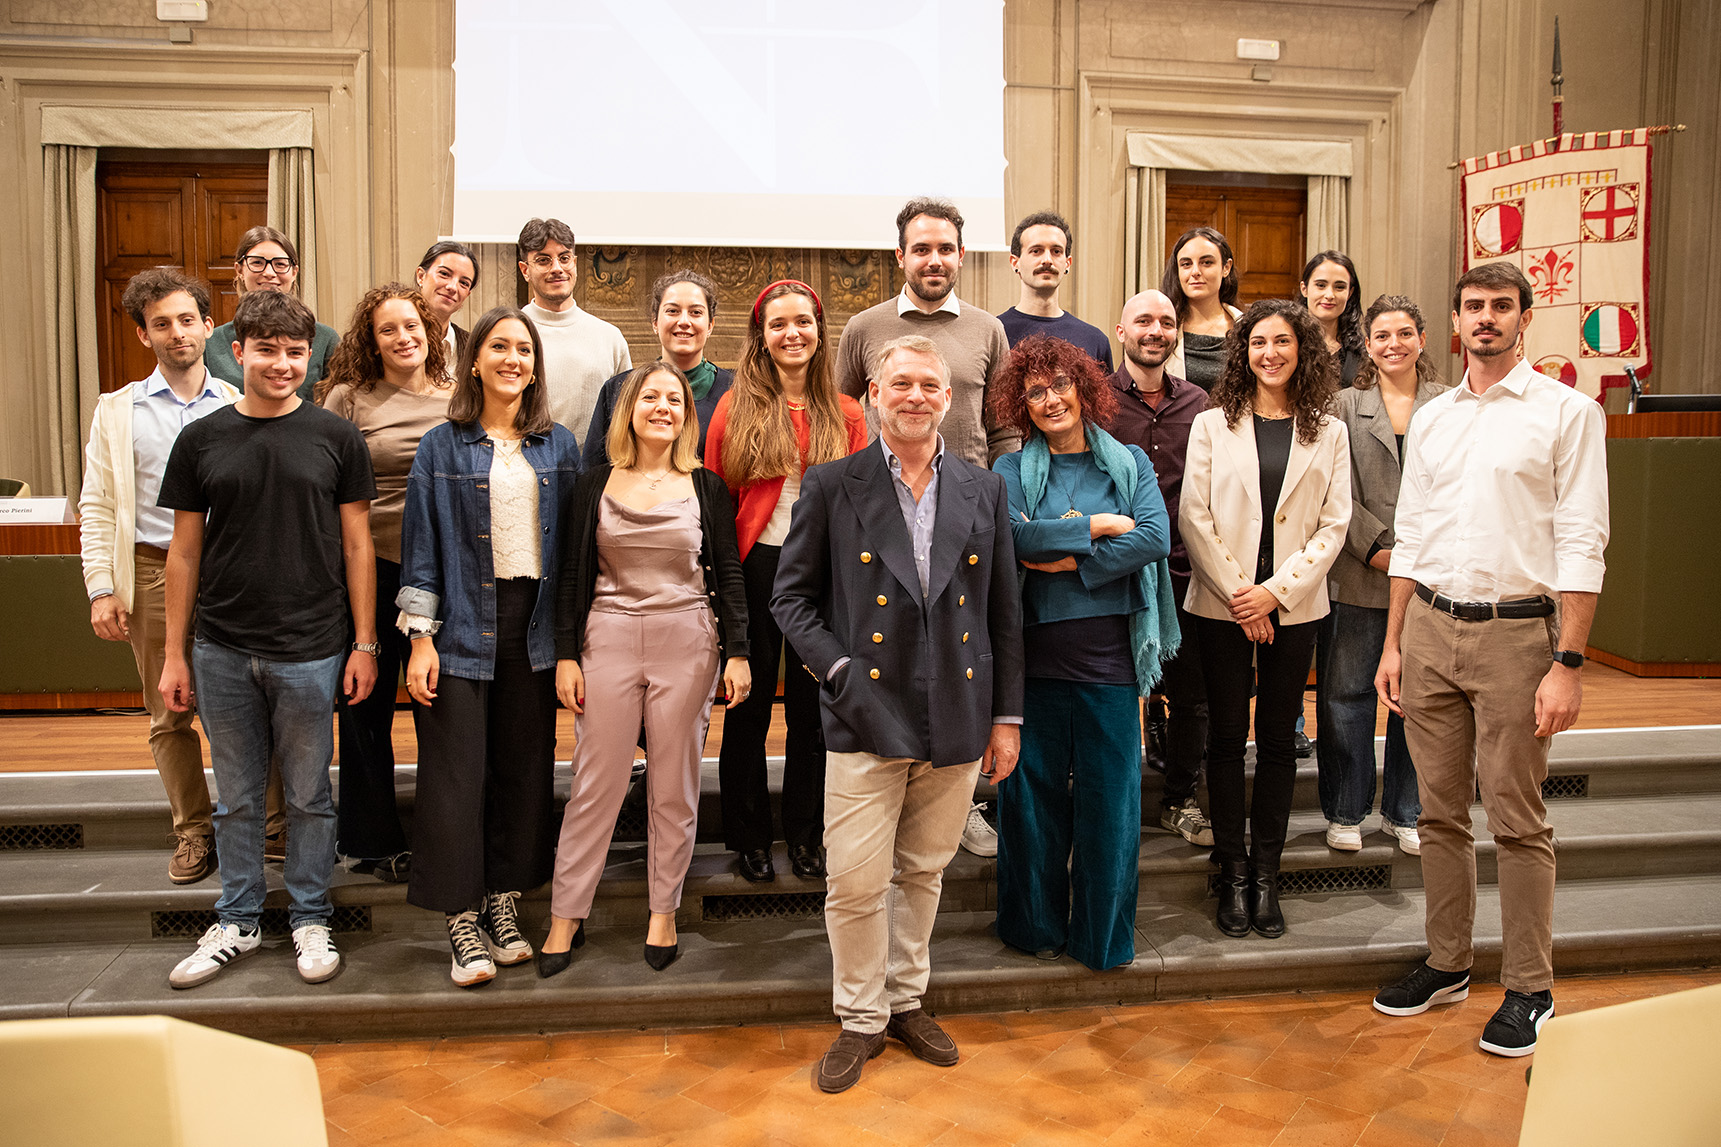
{"x":1414,"y":85}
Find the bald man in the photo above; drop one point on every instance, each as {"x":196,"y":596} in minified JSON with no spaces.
{"x":1154,"y":412}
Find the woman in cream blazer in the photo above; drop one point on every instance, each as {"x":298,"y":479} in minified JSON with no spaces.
{"x":1266,"y":452}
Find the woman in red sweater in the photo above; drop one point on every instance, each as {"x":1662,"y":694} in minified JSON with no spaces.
{"x":781,"y":415}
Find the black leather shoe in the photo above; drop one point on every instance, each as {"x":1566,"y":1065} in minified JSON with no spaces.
{"x":555,"y":963}
{"x":1158,"y":734}
{"x":1264,"y":911}
{"x":806,"y":862}
{"x":1233,"y":914}
{"x":755,"y":865}
{"x":1303,"y":747}
{"x":662,"y":956}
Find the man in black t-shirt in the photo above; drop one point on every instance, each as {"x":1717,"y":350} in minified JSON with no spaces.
{"x":272,"y":553}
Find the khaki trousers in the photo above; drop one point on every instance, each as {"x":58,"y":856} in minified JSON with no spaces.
{"x":173,"y":742}
{"x":1469,"y":697}
{"x":891,"y":825}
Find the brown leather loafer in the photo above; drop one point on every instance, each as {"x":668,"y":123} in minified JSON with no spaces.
{"x":923,"y":1036}
{"x":841,"y":1067}
{"x":193,"y":859}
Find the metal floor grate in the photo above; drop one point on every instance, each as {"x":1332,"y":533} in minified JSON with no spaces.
{"x":191,"y":925}
{"x":764,"y":906}
{"x":30,"y":837}
{"x":1319,"y":881}
{"x":1566,"y":786}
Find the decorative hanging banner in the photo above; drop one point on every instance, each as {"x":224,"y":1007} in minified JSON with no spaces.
{"x":1573,"y":214}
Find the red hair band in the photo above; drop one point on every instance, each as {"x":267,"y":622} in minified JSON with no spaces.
{"x":818,"y":307}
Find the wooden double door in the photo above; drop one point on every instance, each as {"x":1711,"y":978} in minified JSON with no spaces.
{"x":1264,"y":225}
{"x":175,"y":214}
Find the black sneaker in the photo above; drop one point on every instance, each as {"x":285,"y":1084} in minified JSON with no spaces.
{"x":1513,"y":1030}
{"x":1421,"y":990}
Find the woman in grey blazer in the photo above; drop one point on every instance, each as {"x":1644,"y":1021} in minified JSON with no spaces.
{"x":1395,"y":382}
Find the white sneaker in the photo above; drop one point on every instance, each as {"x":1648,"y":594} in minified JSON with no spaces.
{"x":1344,"y":837}
{"x":979,"y":837}
{"x":221,"y":945}
{"x":472,"y":963}
{"x":318,"y":960}
{"x":1408,"y":838}
{"x":499,"y":925}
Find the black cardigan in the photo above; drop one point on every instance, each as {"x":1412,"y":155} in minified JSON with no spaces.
{"x":719,"y":556}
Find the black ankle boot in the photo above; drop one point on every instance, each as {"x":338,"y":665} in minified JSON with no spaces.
{"x":1264,"y":903}
{"x":1233,"y":915}
{"x":1158,"y":734}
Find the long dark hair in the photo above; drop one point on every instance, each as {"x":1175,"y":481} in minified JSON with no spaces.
{"x":356,"y":361}
{"x":1352,"y":333}
{"x":1312,"y":386}
{"x":1426,"y":374}
{"x":468,"y":401}
{"x":759,"y":440}
{"x":1172,"y":286}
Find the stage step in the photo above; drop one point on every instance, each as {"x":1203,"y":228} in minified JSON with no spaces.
{"x":128,"y":810}
{"x":396,"y":985}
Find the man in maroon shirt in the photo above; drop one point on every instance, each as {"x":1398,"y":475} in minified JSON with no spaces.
{"x":1154,"y":412}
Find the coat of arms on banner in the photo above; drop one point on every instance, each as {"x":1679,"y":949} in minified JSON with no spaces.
{"x":1573,"y":214}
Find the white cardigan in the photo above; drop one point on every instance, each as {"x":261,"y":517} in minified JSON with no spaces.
{"x":107,"y":505}
{"x":1220,"y":516}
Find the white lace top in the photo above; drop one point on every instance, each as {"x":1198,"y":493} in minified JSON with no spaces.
{"x":515,"y":541}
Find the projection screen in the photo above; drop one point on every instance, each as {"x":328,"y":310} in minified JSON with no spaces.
{"x":738,"y":123}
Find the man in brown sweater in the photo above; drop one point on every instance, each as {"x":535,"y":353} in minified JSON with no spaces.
{"x":929,"y":251}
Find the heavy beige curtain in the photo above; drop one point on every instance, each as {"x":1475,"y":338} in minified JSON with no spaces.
{"x":1326,"y":163}
{"x":71,"y":134}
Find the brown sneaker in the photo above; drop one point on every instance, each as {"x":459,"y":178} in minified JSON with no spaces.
{"x":923,"y":1036}
{"x":841,"y":1067}
{"x":193,"y":859}
{"x":275,"y":846}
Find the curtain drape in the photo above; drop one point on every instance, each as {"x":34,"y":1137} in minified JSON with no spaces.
{"x":1144,"y":228}
{"x":293,"y":210}
{"x":69,"y":254}
{"x":1329,"y":215}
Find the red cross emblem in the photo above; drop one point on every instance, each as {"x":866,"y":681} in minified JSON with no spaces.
{"x":1610,"y":213}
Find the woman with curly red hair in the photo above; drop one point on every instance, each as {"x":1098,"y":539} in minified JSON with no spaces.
{"x":1091,"y":530}
{"x":1267,"y":452}
{"x":389,"y":377}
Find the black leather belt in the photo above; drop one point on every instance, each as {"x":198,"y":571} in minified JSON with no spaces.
{"x":1486,"y":610}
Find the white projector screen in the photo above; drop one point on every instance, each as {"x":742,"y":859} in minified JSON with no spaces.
{"x":777,"y":123}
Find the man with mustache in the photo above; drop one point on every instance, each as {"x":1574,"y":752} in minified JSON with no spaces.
{"x":897,"y":585}
{"x":1040,"y":256}
{"x":1502,"y":523}
{"x":1155,"y":410}
{"x":126,"y":535}
{"x":580,"y":349}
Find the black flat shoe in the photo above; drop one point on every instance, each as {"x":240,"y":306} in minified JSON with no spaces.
{"x":661,"y":957}
{"x":1264,"y":913}
{"x":755,"y":865}
{"x":807,"y":862}
{"x":1233,"y":914}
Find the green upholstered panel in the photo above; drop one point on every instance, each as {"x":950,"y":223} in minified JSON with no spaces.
{"x":46,"y":645}
{"x":1664,"y":556}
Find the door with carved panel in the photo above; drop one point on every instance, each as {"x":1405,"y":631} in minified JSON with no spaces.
{"x":175,"y":214}
{"x":1264,"y":225}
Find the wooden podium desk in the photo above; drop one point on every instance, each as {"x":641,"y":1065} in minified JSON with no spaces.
{"x":49,"y":657}
{"x":1659,"y":614}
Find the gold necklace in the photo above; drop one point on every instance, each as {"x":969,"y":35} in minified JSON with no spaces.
{"x":653,"y":483}
{"x":793,"y":405}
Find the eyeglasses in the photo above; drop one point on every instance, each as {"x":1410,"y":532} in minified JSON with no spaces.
{"x":563,"y":259}
{"x":256,"y":264}
{"x":1038,"y":394}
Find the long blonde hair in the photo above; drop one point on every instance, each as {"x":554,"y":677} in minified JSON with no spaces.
{"x":621,"y":443}
{"x":759,"y":443}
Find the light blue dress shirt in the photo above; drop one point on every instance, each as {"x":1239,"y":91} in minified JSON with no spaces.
{"x":157,"y":417}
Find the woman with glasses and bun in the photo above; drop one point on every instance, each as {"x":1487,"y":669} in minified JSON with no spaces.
{"x":266,"y":261}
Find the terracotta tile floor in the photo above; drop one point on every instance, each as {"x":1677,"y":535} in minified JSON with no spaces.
{"x":1312,"y":1069}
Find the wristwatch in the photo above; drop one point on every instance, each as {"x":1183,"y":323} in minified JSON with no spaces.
{"x":374,"y":648}
{"x":1569,"y":658}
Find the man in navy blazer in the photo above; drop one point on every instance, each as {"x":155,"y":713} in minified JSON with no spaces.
{"x":897,"y":584}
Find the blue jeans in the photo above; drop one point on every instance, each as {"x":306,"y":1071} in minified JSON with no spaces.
{"x":1347,"y":655}
{"x":251,"y":707}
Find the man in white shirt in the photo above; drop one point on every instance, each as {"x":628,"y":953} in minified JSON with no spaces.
{"x":125,"y":535}
{"x":1502,"y":523}
{"x":580,"y":349}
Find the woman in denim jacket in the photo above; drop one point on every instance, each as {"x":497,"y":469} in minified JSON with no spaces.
{"x":484,"y":503}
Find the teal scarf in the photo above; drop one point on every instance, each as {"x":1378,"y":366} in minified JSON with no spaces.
{"x":700,"y":379}
{"x":1153,"y":633}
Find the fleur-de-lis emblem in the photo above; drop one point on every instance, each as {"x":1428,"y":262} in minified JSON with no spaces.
{"x":1552,"y":274}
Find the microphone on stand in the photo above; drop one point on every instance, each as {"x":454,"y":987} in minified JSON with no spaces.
{"x":1636,"y":389}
